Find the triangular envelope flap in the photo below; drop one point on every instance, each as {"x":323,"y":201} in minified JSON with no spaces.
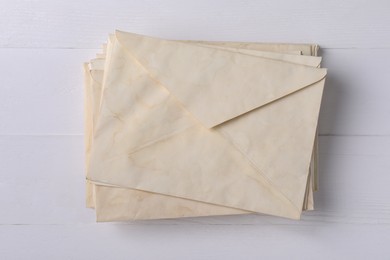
{"x":216,"y":85}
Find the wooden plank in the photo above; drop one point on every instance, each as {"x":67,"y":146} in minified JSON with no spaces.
{"x":42,"y":182}
{"x":192,"y":241}
{"x":85,"y":24}
{"x":41,"y":92}
{"x":355,"y":100}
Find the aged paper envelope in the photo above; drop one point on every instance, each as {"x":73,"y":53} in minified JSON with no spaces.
{"x":223,"y":133}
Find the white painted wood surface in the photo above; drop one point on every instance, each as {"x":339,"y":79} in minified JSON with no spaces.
{"x":42,"y":213}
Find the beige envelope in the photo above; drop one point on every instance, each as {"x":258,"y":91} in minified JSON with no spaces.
{"x":120,"y":204}
{"x":194,"y":130}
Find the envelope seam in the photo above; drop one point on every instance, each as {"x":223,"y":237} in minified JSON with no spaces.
{"x":134,"y":58}
{"x":162,"y":138}
{"x":267,"y":180}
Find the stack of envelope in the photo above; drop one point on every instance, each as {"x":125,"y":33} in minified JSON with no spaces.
{"x":194,"y":128}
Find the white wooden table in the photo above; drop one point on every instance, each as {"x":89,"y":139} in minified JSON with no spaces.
{"x":42,"y":213}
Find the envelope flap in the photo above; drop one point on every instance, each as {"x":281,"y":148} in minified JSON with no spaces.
{"x":216,"y":85}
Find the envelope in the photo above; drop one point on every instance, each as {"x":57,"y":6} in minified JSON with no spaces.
{"x":205,"y":129}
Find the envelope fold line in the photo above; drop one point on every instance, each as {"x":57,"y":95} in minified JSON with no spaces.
{"x":230,"y":83}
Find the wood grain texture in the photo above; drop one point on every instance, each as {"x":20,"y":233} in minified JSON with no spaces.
{"x":42,"y":47}
{"x":83,"y":24}
{"x":144,"y":241}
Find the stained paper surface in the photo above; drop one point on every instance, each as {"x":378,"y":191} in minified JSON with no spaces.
{"x":185,"y":128}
